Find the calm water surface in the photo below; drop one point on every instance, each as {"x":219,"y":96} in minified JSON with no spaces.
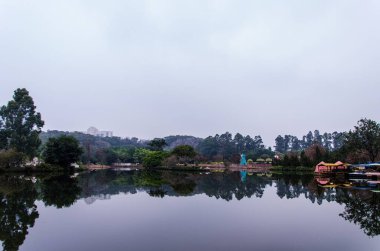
{"x":141,"y":210}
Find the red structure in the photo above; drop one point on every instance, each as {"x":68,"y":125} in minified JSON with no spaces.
{"x":323,"y":167}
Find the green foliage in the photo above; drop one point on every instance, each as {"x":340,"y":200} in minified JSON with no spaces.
{"x":94,"y":147}
{"x":20,"y":124}
{"x":140,"y":154}
{"x":225,"y":147}
{"x":125,"y":154}
{"x":184,"y":151}
{"x":10,"y":159}
{"x":365,"y":139}
{"x":329,"y":141}
{"x":62,"y":151}
{"x":181,"y":154}
{"x":177,"y":140}
{"x":154,"y":159}
{"x":304,"y":160}
{"x":157,"y":144}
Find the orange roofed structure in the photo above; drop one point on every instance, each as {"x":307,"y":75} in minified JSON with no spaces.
{"x":323,"y":167}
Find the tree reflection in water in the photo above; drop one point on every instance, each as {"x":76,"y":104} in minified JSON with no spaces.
{"x":17,"y":210}
{"x":60,"y":191}
{"x":363,"y":209}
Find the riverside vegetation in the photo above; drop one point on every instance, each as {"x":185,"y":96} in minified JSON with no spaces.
{"x":21,"y":140}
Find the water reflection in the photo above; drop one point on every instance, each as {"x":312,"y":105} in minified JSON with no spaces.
{"x":361,"y":208}
{"x":60,"y":191}
{"x":18,"y":211}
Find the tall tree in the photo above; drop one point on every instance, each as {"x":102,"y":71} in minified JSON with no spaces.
{"x":239,"y":142}
{"x":296,"y":144}
{"x":327,"y":141}
{"x":157,"y":144}
{"x":184,"y":151}
{"x":3,"y":135}
{"x":287,"y":141}
{"x":258,"y":142}
{"x":280,"y":144}
{"x":21,"y":124}
{"x":309,"y":139}
{"x":317,"y":137}
{"x":365,"y":138}
{"x":62,"y":151}
{"x":338,"y":139}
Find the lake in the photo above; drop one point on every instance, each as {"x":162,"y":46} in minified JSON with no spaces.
{"x":163,"y":210}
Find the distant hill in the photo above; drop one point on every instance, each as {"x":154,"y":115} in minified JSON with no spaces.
{"x":97,"y":142}
{"x":178,"y":140}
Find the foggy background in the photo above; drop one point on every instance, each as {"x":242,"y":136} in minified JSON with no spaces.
{"x":157,"y":68}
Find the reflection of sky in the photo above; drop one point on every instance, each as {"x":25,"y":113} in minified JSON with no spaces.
{"x":141,"y":222}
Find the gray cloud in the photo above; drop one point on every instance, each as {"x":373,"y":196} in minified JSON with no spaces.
{"x":154,"y":68}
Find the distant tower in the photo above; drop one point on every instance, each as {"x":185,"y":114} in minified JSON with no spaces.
{"x":243,"y":161}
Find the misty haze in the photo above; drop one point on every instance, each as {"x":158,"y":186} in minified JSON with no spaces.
{"x":189,"y":125}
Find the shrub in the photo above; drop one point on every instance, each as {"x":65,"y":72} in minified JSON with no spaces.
{"x":154,"y":159}
{"x":11,"y":159}
{"x":62,"y":151}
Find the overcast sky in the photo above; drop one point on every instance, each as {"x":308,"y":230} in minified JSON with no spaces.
{"x":157,"y":68}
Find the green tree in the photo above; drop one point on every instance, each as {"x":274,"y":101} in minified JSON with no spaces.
{"x":62,"y":151}
{"x":154,"y":159}
{"x":21,"y":124}
{"x":305,"y":161}
{"x":184,"y":151}
{"x":280,"y":144}
{"x":139,"y":154}
{"x":309,"y":139}
{"x":365,"y":138}
{"x":3,"y":135}
{"x":157,"y":144}
{"x":11,"y":159}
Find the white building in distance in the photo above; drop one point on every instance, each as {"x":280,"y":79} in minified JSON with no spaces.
{"x":95,"y":132}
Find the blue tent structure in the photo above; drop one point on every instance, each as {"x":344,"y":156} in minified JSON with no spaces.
{"x":243,"y":161}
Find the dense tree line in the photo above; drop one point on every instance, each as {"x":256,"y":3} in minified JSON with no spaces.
{"x":226,"y":147}
{"x":21,"y":138}
{"x":360,"y":145}
{"x":329,"y":141}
